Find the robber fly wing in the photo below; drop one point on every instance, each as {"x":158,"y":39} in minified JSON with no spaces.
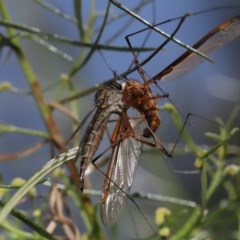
{"x":126,"y":156}
{"x":81,"y":124}
{"x":218,"y":37}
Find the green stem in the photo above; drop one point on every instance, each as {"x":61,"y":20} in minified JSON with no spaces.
{"x":238,"y":232}
{"x":189,"y":225}
{"x":36,"y":91}
{"x":14,"y":129}
{"x":26,"y":67}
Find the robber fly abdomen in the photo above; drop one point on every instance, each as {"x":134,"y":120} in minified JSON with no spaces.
{"x":108,"y":100}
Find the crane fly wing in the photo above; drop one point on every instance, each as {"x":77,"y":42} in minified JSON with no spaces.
{"x":124,"y":158}
{"x":218,"y":37}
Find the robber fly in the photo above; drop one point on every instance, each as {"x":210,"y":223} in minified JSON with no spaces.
{"x":108,"y":100}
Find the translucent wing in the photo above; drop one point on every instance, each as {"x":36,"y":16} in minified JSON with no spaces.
{"x":218,"y":37}
{"x":121,"y":171}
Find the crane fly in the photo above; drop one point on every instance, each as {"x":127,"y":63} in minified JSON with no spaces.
{"x":127,"y":139}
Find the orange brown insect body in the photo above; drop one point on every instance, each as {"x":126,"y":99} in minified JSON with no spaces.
{"x":127,"y":139}
{"x":139,"y":96}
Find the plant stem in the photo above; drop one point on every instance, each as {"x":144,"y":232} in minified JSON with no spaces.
{"x":189,"y":225}
{"x":31,"y":78}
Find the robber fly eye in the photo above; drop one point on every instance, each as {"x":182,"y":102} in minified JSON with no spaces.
{"x":117,"y":85}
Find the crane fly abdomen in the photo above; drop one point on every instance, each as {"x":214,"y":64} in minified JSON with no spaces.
{"x":139,"y":96}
